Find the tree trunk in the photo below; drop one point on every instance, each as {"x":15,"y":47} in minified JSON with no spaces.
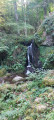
{"x":16,"y":15}
{"x":22,"y":4}
{"x":25,"y":19}
{"x":15,"y":8}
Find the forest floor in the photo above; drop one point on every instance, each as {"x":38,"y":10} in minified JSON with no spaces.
{"x":32,"y":99}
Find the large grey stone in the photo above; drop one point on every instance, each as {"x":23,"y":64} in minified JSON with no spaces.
{"x":18,"y":79}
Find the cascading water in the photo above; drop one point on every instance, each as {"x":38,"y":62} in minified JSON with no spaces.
{"x":30,"y":57}
{"x":33,"y":58}
{"x":29,"y":53}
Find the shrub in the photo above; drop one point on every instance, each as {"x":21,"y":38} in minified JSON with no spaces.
{"x":49,"y":62}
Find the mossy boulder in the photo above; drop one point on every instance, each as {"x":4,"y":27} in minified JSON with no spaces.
{"x":38,"y":100}
{"x":18,"y":79}
{"x":48,"y":80}
{"x":41,"y":108}
{"x":6,"y":86}
{"x":2,"y":72}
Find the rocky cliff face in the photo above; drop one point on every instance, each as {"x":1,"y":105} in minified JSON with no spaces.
{"x":36,"y":53}
{"x":45,"y":33}
{"x":44,"y":38}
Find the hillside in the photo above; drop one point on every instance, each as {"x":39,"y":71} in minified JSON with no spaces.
{"x":45,"y":40}
{"x":27,"y":60}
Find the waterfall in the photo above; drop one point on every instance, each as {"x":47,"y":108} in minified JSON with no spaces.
{"x":29,"y":53}
{"x":33,"y":60}
{"x":29,"y":57}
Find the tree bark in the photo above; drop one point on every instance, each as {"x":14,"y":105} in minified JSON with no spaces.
{"x":25,"y":19}
{"x":16,"y":15}
{"x":15,"y":8}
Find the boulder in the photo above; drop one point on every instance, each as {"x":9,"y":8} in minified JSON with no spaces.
{"x":41,"y":108}
{"x":2,"y":72}
{"x":48,"y":41}
{"x":5,"y":86}
{"x":49,"y":78}
{"x":18,"y":79}
{"x":38,"y":99}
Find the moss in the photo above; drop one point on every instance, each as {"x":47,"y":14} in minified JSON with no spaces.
{"x":5,"y":86}
{"x":16,"y":101}
{"x":46,"y":56}
{"x":41,"y":108}
{"x":2,"y":72}
{"x":28,"y":118}
{"x":49,"y":78}
{"x":45,"y":29}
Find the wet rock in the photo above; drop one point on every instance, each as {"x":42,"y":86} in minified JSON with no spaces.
{"x":36,"y":53}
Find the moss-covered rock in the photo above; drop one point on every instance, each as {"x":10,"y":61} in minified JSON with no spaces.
{"x":49,"y":78}
{"x":41,"y":108}
{"x":44,"y":35}
{"x":38,"y":100}
{"x":44,"y":39}
{"x":5,"y":86}
{"x":2,"y":72}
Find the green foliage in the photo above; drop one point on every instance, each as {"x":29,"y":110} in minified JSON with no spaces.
{"x":47,"y":56}
{"x":45,"y":29}
{"x":12,"y":27}
{"x":16,"y":58}
{"x":38,"y":39}
{"x":12,"y":106}
{"x":18,"y":68}
{"x":37,"y":77}
{"x":48,"y":24}
{"x":19,"y":102}
{"x":53,"y":37}
{"x":50,"y":116}
{"x":5,"y":48}
{"x":23,"y":39}
{"x":49,"y":62}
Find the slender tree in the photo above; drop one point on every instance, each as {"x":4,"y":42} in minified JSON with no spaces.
{"x":25,"y":18}
{"x":15,"y":8}
{"x":16,"y":14}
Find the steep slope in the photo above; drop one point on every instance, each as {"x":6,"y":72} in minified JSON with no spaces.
{"x":45,"y":40}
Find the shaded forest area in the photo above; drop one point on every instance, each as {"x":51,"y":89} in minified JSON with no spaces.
{"x":20,"y":22}
{"x":27,"y":60}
